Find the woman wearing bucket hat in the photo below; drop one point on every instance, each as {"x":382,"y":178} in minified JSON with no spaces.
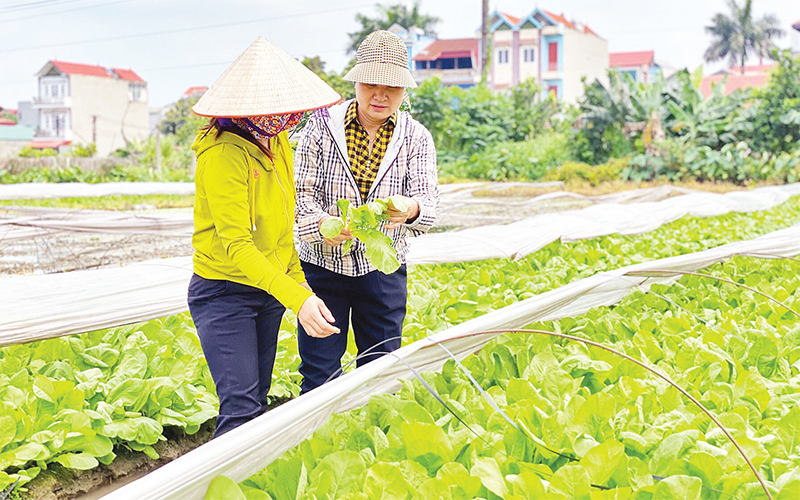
{"x":246,"y":270}
{"x":362,"y":150}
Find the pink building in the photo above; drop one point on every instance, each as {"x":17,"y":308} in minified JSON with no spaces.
{"x":641,"y":66}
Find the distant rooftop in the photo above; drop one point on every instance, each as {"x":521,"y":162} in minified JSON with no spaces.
{"x":626,"y":59}
{"x":448,"y":48}
{"x":68,"y":68}
{"x":16,"y":133}
{"x":191,"y":91}
{"x":734,"y":82}
{"x":544,"y":17}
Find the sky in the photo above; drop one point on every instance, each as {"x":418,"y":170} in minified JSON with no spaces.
{"x":177,"y":44}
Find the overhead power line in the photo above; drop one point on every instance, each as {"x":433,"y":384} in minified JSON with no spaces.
{"x":179,"y":30}
{"x":43,"y":14}
{"x":35,"y":5}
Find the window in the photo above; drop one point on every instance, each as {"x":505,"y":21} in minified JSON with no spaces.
{"x":502,"y":56}
{"x":422,"y":64}
{"x":54,"y":123}
{"x":136,"y":92}
{"x":552,"y":49}
{"x":529,"y":55}
{"x":464,"y":62}
{"x":447,"y":63}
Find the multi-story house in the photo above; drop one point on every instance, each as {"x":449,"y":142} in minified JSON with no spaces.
{"x":547,"y":47}
{"x":84,"y":104}
{"x":454,"y":61}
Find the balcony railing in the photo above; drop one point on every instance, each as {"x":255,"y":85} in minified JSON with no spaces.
{"x":447,"y":75}
{"x":46,"y":102}
{"x":51,"y":134}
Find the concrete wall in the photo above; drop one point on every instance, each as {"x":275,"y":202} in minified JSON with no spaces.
{"x":502,"y":73}
{"x":27,"y":115}
{"x":102,"y":108}
{"x":529,"y":40}
{"x":585,"y":55}
{"x":10,"y":149}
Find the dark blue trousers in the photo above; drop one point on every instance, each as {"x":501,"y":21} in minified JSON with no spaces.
{"x":375,"y":304}
{"x":238,"y":329}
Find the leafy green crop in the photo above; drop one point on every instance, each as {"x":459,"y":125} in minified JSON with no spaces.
{"x":588,"y":424}
{"x":439,"y":296}
{"x":71,"y":400}
{"x":364,"y":222}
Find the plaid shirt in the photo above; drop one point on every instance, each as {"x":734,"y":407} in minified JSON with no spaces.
{"x":323,"y":175}
{"x":365,"y":163}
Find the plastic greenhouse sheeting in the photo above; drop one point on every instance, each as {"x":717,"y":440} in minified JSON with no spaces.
{"x":518,"y":239}
{"x":22,"y":223}
{"x":45,"y":306}
{"x":40,"y":307}
{"x":41,"y":190}
{"x":247,"y":449}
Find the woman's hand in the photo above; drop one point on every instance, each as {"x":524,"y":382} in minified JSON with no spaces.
{"x":396,"y":217}
{"x":340,"y":238}
{"x":316,"y":318}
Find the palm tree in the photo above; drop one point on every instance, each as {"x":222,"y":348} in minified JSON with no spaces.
{"x":390,"y":14}
{"x":738,"y":35}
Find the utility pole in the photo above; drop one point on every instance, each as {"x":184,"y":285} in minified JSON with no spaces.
{"x":158,"y":150}
{"x":485,"y":41}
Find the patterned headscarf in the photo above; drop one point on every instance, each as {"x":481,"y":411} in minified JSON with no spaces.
{"x":264,"y":127}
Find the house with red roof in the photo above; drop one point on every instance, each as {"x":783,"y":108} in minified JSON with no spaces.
{"x":194,"y":92}
{"x":547,"y":47}
{"x":454,"y":61}
{"x":553,"y":50}
{"x":736,"y":77}
{"x":641,"y":65}
{"x":84,"y":104}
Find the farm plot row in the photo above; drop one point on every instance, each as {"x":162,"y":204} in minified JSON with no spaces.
{"x":71,"y":400}
{"x":537,"y":417}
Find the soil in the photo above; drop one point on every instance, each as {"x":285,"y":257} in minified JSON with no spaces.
{"x":60,"y":483}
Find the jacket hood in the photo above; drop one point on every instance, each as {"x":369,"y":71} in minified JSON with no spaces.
{"x":205,"y":141}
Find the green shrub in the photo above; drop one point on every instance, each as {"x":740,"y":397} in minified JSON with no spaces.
{"x":505,"y":161}
{"x":83,"y":151}
{"x":571,"y":172}
{"x":737,"y":163}
{"x":29,"y":152}
{"x":47,"y":174}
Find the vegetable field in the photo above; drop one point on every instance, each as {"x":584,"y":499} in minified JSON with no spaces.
{"x":532,"y":416}
{"x":529,"y":416}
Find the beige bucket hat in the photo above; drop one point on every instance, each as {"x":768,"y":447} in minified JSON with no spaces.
{"x":382,"y":59}
{"x":265,"y":80}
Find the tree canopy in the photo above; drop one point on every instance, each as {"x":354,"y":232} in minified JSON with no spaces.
{"x":389,"y":15}
{"x":738,"y":35}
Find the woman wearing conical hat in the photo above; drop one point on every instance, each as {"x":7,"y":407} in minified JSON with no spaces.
{"x":362,"y":150}
{"x":246,"y":269}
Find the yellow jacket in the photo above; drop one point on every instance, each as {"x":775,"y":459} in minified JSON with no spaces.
{"x":244,"y":215}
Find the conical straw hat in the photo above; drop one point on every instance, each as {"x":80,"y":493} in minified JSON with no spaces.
{"x":265,"y":80}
